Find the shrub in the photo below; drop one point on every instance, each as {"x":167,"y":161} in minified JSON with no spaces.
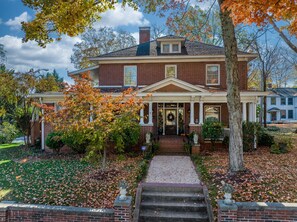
{"x":8,"y":132}
{"x":76,"y":141}
{"x":143,"y":168}
{"x":54,"y":141}
{"x":265,"y":139}
{"x":212,"y":129}
{"x":273,"y":128}
{"x":283,"y":144}
{"x":250,"y":131}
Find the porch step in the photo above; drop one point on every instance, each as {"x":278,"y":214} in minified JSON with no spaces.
{"x":161,"y":202}
{"x":171,"y":144}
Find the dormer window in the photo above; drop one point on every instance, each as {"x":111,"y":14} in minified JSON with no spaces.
{"x":170,"y":47}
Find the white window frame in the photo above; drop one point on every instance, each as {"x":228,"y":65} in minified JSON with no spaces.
{"x":281,"y":101}
{"x":218,"y":106}
{"x":271,"y":101}
{"x":292,"y":114}
{"x":219,"y":75}
{"x":170,"y":47}
{"x":292,"y":101}
{"x":285,"y":111}
{"x":167,"y":66}
{"x":125,"y":75}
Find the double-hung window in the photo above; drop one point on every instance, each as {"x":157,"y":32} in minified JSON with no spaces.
{"x":290,"y":101}
{"x":212,"y":112}
{"x":273,"y":101}
{"x":283,"y":101}
{"x":130,"y":75}
{"x":213,"y":74}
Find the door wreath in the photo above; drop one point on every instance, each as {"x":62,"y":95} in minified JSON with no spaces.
{"x":170,"y":117}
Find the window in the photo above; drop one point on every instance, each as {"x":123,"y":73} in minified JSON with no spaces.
{"x":290,"y":101}
{"x":283,"y":101}
{"x":166,"y":48}
{"x":212,"y":74}
{"x":290,"y":114}
{"x":212,"y":112}
{"x":273,"y":101}
{"x":174,"y":47}
{"x":130,"y":75}
{"x":170,"y":71}
{"x":283,"y":114}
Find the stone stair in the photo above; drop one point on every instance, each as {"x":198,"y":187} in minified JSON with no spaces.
{"x":171,"y":145}
{"x":171,"y":202}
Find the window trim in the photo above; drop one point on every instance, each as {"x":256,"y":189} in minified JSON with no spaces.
{"x":274,"y":101}
{"x":292,"y":101}
{"x":125,"y":75}
{"x":175,"y":66}
{"x":219,"y":75}
{"x":219,"y":106}
{"x":281,"y":101}
{"x":292,"y":114}
{"x":170,"y":47}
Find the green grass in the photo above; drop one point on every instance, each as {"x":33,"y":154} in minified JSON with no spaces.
{"x":29,"y":180}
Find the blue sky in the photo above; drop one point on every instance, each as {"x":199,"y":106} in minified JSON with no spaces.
{"x":23,"y":56}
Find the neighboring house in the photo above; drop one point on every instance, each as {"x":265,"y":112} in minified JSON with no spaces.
{"x":282,"y":105}
{"x":186,"y":81}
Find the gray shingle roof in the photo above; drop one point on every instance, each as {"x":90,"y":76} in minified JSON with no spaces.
{"x":190,"y":48}
{"x":285,"y":92}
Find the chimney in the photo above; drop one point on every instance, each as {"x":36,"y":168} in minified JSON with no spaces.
{"x":144,"y":34}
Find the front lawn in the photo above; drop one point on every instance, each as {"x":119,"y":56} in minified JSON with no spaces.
{"x":268,"y":177}
{"x":33,"y":177}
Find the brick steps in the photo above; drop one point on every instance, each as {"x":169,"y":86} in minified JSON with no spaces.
{"x":171,"y":144}
{"x":172,"y":202}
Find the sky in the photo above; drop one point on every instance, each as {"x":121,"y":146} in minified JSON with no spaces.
{"x":24,"y":56}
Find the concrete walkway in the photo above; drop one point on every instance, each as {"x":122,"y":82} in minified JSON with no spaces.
{"x":172,"y":169}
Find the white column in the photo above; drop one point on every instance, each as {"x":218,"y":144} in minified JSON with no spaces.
{"x":255,"y":112}
{"x":141,"y":122}
{"x":252,"y":112}
{"x":150,"y":121}
{"x":201,"y":112}
{"x":243,"y":111}
{"x":42,"y":131}
{"x":192,"y":113}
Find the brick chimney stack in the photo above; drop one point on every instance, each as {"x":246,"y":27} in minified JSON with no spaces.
{"x":144,"y":34}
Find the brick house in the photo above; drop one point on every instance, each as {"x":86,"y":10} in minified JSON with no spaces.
{"x":186,"y":80}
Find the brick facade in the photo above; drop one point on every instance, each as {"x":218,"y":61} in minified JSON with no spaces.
{"x":35,"y":213}
{"x":257,"y":212}
{"x":149,"y":73}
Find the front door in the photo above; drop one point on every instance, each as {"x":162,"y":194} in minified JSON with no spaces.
{"x":170,"y":122}
{"x":273,"y":116}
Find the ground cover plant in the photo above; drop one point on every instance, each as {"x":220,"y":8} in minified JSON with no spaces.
{"x":268,"y":177}
{"x":28,"y":176}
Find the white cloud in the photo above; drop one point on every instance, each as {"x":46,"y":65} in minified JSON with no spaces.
{"x":122,"y":16}
{"x":136,"y":36}
{"x":23,"y":56}
{"x":15,"y":23}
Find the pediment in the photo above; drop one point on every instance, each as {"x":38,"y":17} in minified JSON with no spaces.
{"x":172,"y":85}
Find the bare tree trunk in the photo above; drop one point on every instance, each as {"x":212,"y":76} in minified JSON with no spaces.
{"x":233,"y":94}
{"x":264,"y":102}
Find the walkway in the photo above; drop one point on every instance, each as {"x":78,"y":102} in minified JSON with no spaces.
{"x":172,"y":169}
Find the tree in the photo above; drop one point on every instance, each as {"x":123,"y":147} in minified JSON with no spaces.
{"x":56,"y":18}
{"x":264,"y":12}
{"x":15,"y":102}
{"x":100,"y":41}
{"x":2,"y":54}
{"x":50,"y":82}
{"x":95,"y":116}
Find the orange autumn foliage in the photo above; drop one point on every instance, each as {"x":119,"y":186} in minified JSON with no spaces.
{"x":262,"y":12}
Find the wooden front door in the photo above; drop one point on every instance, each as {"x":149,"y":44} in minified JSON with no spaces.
{"x":170,"y":122}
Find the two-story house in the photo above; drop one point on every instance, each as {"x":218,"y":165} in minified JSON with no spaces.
{"x":186,"y":81}
{"x":282,"y":105}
